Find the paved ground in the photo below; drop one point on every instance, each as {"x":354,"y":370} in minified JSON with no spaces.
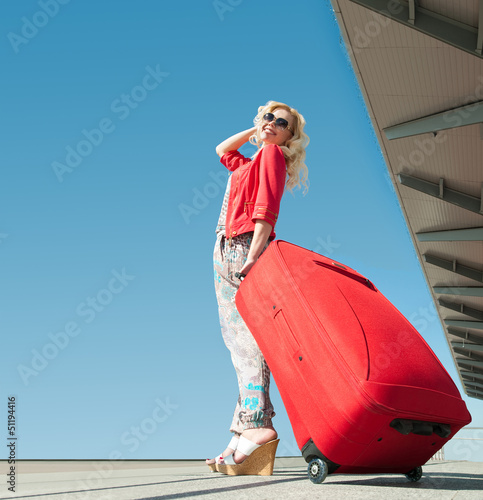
{"x":163,"y":479}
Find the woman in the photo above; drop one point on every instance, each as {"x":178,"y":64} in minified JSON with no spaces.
{"x":245,"y":229}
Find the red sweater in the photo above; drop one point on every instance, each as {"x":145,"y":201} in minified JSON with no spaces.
{"x":256,"y":189}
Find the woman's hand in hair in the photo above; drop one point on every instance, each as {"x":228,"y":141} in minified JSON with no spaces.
{"x":234,"y":142}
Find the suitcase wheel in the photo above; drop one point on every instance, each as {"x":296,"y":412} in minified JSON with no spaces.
{"x":415,"y":474}
{"x":317,"y":470}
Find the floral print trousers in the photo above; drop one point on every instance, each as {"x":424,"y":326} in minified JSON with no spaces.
{"x":254,"y":408}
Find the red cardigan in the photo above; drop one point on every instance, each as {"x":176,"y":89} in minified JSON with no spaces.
{"x":256,"y":189}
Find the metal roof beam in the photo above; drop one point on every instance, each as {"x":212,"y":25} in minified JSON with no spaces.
{"x":454,"y":267}
{"x":462,"y":308}
{"x":468,"y":347}
{"x":476,"y":365}
{"x":479,"y":41}
{"x":443,"y":28}
{"x":474,"y":394}
{"x":478,"y":377}
{"x":467,"y":291}
{"x":474,"y":325}
{"x":473,"y":384}
{"x":412,"y":12}
{"x":470,"y":234}
{"x":470,"y":390}
{"x":472,"y":337}
{"x":466,"y":353}
{"x":457,"y":198}
{"x":452,"y":118}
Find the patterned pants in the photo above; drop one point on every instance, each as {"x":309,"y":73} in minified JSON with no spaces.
{"x":253,"y":408}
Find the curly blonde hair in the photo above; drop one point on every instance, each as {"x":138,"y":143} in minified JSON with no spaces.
{"x":294,"y":148}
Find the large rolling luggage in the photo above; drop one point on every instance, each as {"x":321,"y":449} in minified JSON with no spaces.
{"x":363,"y":390}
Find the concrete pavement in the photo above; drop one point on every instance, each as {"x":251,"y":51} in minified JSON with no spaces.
{"x":172,"y":479}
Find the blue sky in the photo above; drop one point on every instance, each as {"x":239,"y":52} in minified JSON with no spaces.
{"x":111,"y":114}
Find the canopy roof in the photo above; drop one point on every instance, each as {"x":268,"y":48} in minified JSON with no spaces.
{"x":420,"y":70}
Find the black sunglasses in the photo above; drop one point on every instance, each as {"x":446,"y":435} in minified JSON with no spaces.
{"x":280,"y":123}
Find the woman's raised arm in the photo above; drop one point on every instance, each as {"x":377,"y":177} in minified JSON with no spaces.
{"x":234,"y":142}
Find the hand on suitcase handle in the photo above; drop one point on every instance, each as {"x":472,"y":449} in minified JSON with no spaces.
{"x":240,"y":276}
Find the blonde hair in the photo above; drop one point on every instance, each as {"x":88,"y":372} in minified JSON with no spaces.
{"x":294,"y":148}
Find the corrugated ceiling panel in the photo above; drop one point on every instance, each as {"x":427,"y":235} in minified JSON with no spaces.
{"x":450,"y":156}
{"x":431,"y":214}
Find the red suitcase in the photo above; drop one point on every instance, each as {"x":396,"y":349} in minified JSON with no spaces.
{"x":363,"y":390}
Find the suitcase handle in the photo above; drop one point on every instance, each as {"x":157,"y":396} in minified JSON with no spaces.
{"x":240,"y":276}
{"x":339,"y":268}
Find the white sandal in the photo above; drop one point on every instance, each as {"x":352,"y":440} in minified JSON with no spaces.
{"x":260,"y":459}
{"x":219,"y":459}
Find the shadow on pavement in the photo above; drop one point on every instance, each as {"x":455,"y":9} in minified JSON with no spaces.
{"x":227,"y":489}
{"x":433,"y":480}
